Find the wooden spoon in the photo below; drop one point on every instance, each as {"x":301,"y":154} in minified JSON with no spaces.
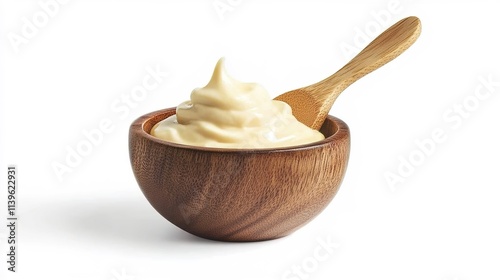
{"x":311,"y":104}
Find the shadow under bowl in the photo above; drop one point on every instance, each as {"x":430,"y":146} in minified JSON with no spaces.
{"x":238,"y":194}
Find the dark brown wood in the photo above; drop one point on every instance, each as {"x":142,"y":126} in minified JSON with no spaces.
{"x":238,"y":195}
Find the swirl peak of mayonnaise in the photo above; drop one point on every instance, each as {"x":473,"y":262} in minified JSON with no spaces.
{"x":227,"y":113}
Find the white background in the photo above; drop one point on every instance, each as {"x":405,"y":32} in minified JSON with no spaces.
{"x":441,"y":221}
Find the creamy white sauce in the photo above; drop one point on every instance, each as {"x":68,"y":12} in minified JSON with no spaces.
{"x":227,"y":113}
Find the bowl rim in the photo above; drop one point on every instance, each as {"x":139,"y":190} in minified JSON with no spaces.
{"x":137,"y":128}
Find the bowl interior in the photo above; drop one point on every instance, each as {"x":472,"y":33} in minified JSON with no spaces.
{"x":333,"y":129}
{"x":238,"y":194}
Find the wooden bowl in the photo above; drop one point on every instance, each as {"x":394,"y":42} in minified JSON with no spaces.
{"x":235,"y":194}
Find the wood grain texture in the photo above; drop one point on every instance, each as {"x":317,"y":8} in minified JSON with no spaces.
{"x":311,"y":104}
{"x":238,"y":195}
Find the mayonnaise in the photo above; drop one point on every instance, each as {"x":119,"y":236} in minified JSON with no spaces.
{"x":227,"y":113}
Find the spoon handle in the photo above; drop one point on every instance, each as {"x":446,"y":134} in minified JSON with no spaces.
{"x":387,"y":46}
